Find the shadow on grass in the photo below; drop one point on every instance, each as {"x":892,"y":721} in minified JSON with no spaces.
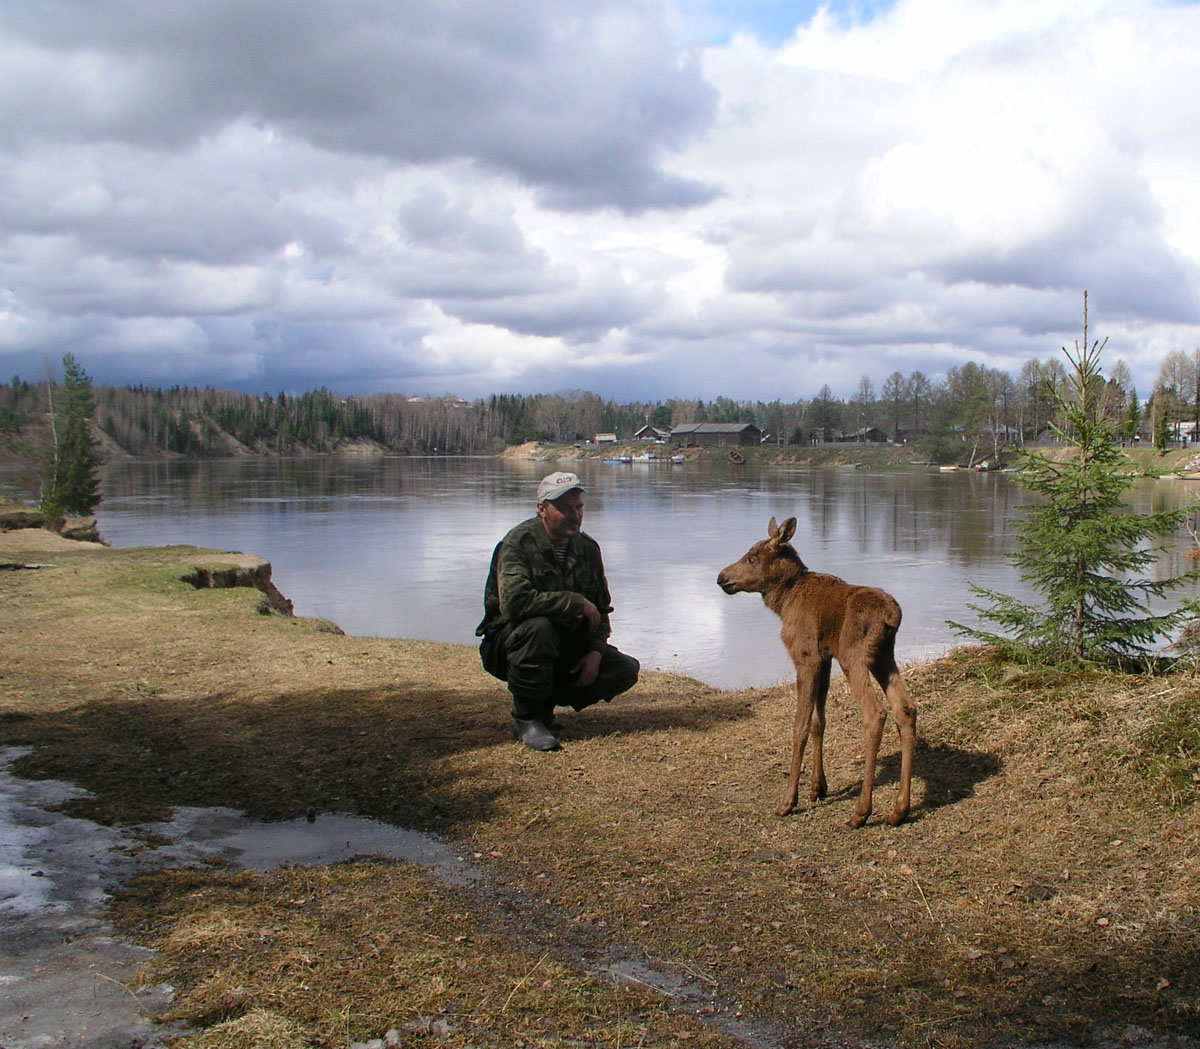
{"x":370,"y":753}
{"x":950,"y":774}
{"x":395,"y":756}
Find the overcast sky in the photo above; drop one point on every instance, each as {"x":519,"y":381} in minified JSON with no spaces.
{"x":639,"y":198}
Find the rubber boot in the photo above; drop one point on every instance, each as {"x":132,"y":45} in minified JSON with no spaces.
{"x":534,"y":735}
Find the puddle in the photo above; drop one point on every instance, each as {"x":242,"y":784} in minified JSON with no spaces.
{"x":65,"y":977}
{"x":226,"y":834}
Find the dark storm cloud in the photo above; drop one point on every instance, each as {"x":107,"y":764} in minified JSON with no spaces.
{"x":581,"y":100}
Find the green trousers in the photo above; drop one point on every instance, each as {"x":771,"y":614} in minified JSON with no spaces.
{"x":536,"y":658}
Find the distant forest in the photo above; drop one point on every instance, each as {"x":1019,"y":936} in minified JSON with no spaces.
{"x":974,"y":403}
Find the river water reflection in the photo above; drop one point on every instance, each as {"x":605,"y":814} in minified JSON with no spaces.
{"x":399,"y":547}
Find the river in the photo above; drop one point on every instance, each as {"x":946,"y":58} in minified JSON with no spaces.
{"x":399,"y":546}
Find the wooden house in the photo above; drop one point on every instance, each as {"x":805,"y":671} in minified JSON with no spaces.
{"x":716,"y":435}
{"x":652,"y":433}
{"x":867,"y":435}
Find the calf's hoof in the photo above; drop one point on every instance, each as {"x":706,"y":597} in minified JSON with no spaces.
{"x":785,"y":809}
{"x":896,"y":818}
{"x":856,"y":821}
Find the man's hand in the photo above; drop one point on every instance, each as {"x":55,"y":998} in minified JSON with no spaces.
{"x":591,"y":614}
{"x":585,"y":671}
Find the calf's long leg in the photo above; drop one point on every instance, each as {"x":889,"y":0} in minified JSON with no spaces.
{"x":905,"y":712}
{"x":808,"y":678}
{"x":874,"y":718}
{"x":819,"y":788}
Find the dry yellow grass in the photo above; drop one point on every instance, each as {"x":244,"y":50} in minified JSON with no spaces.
{"x":1046,"y":888}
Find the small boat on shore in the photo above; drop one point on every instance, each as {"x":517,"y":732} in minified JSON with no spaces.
{"x":736,"y":457}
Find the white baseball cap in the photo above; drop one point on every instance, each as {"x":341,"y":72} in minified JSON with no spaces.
{"x":555,"y":485}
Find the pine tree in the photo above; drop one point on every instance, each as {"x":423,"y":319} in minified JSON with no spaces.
{"x":1162,"y":431}
{"x":1082,"y":549}
{"x":74,"y":483}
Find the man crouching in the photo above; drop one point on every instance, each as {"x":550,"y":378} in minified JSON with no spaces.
{"x":545,"y":625}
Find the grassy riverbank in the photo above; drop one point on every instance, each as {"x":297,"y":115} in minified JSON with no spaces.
{"x":1046,"y":889}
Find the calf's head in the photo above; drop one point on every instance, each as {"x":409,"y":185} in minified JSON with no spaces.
{"x":762,"y":563}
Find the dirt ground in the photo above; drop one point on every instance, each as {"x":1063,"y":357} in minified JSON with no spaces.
{"x":1045,"y":891}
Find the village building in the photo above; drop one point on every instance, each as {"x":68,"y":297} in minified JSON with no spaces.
{"x":1004,"y":434}
{"x":867,"y":435}
{"x":716,"y":435}
{"x":652,"y":433}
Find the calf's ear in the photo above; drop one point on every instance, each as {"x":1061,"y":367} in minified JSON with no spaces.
{"x":787,"y":529}
{"x":772,"y":529}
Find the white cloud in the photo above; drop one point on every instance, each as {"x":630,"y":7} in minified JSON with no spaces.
{"x":479,"y":196}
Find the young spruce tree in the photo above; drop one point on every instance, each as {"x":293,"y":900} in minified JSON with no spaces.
{"x":73,"y":486}
{"x":1082,"y":549}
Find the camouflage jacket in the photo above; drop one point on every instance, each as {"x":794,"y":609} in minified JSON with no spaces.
{"x":526,"y":580}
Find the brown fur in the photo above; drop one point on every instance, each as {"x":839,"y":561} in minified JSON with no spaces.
{"x":825,"y":618}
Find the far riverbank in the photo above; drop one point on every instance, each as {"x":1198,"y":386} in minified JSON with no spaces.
{"x":1143,"y":460}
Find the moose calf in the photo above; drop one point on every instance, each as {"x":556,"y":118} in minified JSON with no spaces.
{"x":825,"y":618}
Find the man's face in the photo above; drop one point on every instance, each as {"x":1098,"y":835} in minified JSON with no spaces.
{"x":563,"y":517}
